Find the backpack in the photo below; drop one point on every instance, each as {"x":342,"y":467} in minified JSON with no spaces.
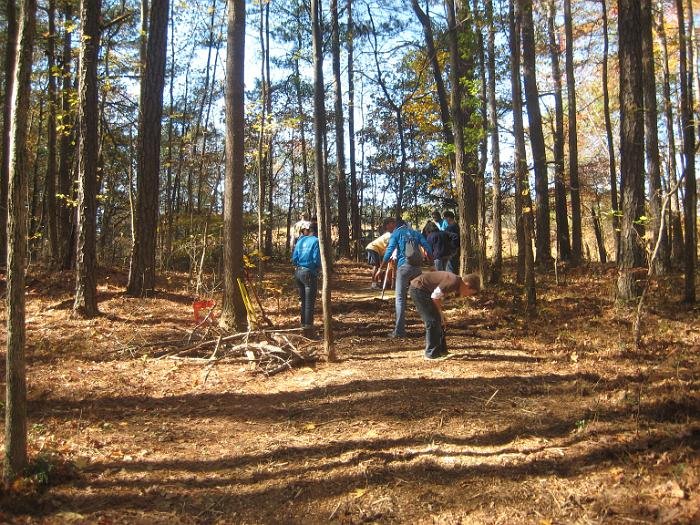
{"x":412,"y":251}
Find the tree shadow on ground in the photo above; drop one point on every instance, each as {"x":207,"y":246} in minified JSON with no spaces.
{"x":238,"y":486}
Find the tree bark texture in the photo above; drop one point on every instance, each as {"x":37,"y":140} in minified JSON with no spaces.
{"x":64,"y":215}
{"x":537,"y":145}
{"x":675,"y":228}
{"x":560,"y":208}
{"x":343,"y":227}
{"x":355,"y":217}
{"x":651,"y":134}
{"x":18,"y":166}
{"x":496,"y":199}
{"x":321,"y":178}
{"x":50,"y":178}
{"x":631,"y":148}
{"x":234,"y":315}
{"x":526,"y":260}
{"x":85,"y":302}
{"x":9,"y":67}
{"x":142,"y":271}
{"x":690,"y":200}
{"x":575,"y":186}
{"x":614,"y":204}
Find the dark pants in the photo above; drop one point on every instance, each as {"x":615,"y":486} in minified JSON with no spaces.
{"x":306,"y":283}
{"x":435,"y":344}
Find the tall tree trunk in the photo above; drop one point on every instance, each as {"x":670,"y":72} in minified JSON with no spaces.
{"x":50,"y":178}
{"x":523,"y":214}
{"x":262,"y":157}
{"x":631,"y":148}
{"x":64,"y":215}
{"x":458,"y":119}
{"x":651,"y":133}
{"x":85,"y":303}
{"x":481,"y":124}
{"x":233,"y":314}
{"x":142,"y":271}
{"x":576,"y":233}
{"x":497,"y":258}
{"x":693,"y":76}
{"x":343,"y":227}
{"x":560,"y":208}
{"x":305,"y":182}
{"x":532,"y":101}
{"x":169,"y":196}
{"x":18,"y":165}
{"x":321,"y":178}
{"x":269,"y":137}
{"x":614,"y":205}
{"x":292,"y":191}
{"x":602,"y":255}
{"x":36,"y":210}
{"x":675,"y":228}
{"x":690,"y":201}
{"x":9,"y":67}
{"x":355,"y":217}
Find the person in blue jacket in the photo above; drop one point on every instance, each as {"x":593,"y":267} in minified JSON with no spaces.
{"x":405,"y":270}
{"x":307,"y":262}
{"x":439,"y":221}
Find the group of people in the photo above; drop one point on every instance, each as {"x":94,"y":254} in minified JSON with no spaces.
{"x":408,"y":248}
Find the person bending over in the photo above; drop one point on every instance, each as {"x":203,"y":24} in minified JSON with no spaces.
{"x":428,"y":291}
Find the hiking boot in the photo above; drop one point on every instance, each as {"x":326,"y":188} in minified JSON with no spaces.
{"x":441,"y":357}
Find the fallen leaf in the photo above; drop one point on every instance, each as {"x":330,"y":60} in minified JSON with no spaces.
{"x":358,"y":493}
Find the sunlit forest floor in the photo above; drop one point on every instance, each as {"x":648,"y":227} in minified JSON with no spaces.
{"x":550,"y":419}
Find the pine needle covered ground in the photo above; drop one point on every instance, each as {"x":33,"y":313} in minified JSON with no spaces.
{"x":548,"y":419}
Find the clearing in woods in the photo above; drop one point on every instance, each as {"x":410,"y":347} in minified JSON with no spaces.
{"x":552,"y":419}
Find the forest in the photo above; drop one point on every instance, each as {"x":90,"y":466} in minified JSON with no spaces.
{"x":157,"y":157}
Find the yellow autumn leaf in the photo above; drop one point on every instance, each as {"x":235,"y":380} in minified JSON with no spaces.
{"x":358,"y":493}
{"x":310,"y":426}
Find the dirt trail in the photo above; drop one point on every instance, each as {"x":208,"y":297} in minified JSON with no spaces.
{"x":533,"y":421}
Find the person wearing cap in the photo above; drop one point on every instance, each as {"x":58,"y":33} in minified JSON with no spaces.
{"x":307,"y":262}
{"x":428,"y":291}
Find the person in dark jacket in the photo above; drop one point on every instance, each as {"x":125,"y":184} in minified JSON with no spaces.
{"x":441,"y":244}
{"x":453,"y":229}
